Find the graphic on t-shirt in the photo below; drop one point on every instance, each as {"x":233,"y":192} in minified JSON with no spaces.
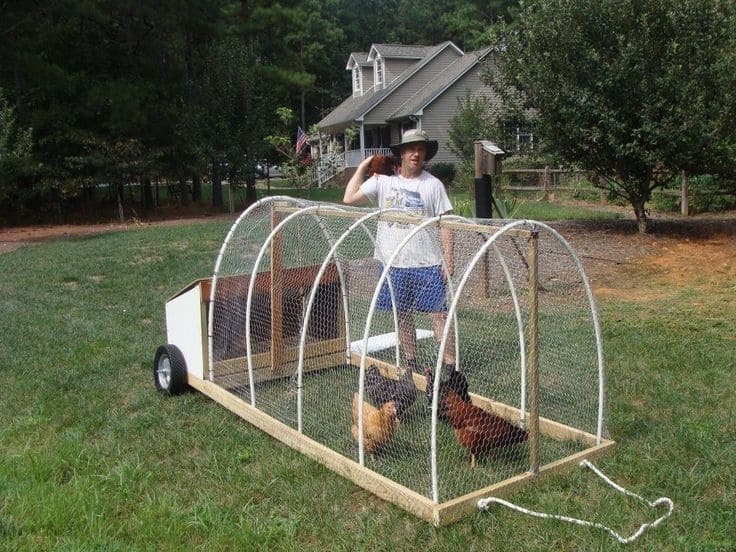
{"x":408,"y":200}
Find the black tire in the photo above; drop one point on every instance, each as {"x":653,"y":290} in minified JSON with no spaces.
{"x":170,"y":370}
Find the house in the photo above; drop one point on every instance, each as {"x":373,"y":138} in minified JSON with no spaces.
{"x":395,"y":88}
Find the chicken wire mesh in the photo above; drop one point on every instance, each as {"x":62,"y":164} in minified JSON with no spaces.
{"x":311,"y":322}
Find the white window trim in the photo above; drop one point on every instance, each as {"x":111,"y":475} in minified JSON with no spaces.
{"x":357,"y":80}
{"x":379,"y":83}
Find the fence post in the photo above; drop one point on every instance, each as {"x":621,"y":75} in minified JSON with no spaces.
{"x":545,"y":182}
{"x":684,"y":195}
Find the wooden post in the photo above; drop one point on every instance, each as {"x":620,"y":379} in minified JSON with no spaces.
{"x":277,"y":295}
{"x":545,"y":182}
{"x":533,"y":358}
{"x":478,"y":159}
{"x":684,"y":197}
{"x":483,"y":209}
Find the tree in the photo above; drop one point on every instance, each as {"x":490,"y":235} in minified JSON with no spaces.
{"x":636,"y":90}
{"x":15,"y":149}
{"x":474,"y":119}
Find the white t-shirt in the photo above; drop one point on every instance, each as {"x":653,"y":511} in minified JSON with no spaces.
{"x":423,"y":196}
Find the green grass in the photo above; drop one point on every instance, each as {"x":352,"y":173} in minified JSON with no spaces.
{"x":91,"y":457}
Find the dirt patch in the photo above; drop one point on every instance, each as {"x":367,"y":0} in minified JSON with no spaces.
{"x":678,"y":251}
{"x":16,"y":237}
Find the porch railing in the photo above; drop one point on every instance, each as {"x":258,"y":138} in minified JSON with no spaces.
{"x":332,"y":164}
{"x":354,"y":157}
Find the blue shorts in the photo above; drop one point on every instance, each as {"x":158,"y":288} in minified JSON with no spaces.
{"x":420,"y":289}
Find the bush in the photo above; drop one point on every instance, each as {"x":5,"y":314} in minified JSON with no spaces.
{"x":445,"y":172}
{"x":708,"y":193}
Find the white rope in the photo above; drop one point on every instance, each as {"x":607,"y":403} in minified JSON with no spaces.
{"x":483,"y":504}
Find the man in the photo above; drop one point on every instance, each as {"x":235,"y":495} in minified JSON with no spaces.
{"x":417,"y":277}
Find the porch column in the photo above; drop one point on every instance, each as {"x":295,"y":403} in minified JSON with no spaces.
{"x":362,"y":140}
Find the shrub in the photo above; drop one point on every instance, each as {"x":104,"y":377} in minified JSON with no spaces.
{"x":445,"y":172}
{"x":709,"y":193}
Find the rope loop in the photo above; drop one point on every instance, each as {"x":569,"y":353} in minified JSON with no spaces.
{"x":484,"y":503}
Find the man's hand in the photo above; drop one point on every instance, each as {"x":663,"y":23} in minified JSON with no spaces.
{"x":353,"y":195}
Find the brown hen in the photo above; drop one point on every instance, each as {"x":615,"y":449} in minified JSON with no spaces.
{"x":477,"y":430}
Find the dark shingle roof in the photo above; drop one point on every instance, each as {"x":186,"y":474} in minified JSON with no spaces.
{"x":356,"y":107}
{"x":361,"y":58}
{"x":429,"y":92}
{"x":401,"y":50}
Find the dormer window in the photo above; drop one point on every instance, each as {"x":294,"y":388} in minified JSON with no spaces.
{"x":378,"y":73}
{"x":357,"y":81}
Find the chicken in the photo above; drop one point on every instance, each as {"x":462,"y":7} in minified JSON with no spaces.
{"x":477,"y":430}
{"x":380,"y":390}
{"x":456,"y":382}
{"x":379,"y":424}
{"x":382,"y":164}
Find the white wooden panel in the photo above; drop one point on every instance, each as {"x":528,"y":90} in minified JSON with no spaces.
{"x":184,"y":328}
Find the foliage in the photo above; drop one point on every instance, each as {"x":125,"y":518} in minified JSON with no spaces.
{"x":444,"y":171}
{"x":474,"y":119}
{"x":15,"y":148}
{"x":295,"y":166}
{"x":649,"y":92}
{"x":706,"y":193}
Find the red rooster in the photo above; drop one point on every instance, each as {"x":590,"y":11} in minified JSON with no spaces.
{"x":477,"y":430}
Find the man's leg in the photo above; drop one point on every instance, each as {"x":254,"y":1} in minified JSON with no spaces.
{"x":438,"y":327}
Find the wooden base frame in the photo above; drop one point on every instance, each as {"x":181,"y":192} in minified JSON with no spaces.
{"x":411,"y":501}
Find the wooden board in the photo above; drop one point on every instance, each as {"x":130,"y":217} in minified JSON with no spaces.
{"x":411,"y":501}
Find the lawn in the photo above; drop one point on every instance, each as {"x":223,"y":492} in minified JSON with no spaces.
{"x":91,"y":457}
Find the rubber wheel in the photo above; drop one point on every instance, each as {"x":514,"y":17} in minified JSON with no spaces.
{"x":170,"y":370}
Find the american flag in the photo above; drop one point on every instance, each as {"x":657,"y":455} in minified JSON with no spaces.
{"x":301,"y":139}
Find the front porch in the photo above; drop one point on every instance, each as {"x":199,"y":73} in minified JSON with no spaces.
{"x":345,"y":147}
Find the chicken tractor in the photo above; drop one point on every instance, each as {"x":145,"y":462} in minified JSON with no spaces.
{"x":287,"y":333}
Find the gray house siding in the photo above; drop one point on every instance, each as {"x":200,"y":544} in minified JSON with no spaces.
{"x":439,"y":113}
{"x":367,"y":79}
{"x":408,"y":88}
{"x":394,"y":67}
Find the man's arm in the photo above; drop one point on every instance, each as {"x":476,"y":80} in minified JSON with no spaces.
{"x":353,"y":195}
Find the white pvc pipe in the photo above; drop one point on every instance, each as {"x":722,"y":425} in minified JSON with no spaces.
{"x":213,"y":287}
{"x":310,"y":303}
{"x":596,"y":327}
{"x":251,"y":287}
{"x":443,"y":343}
{"x":369,"y":321}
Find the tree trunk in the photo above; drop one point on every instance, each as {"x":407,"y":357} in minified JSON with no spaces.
{"x":119,"y":193}
{"x":147,"y":195}
{"x":641,"y":216}
{"x":183,"y":192}
{"x":250,"y":190}
{"x":196,"y":188}
{"x":216,"y":185}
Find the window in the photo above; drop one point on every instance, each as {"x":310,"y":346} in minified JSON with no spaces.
{"x":357,"y":81}
{"x":378,"y":73}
